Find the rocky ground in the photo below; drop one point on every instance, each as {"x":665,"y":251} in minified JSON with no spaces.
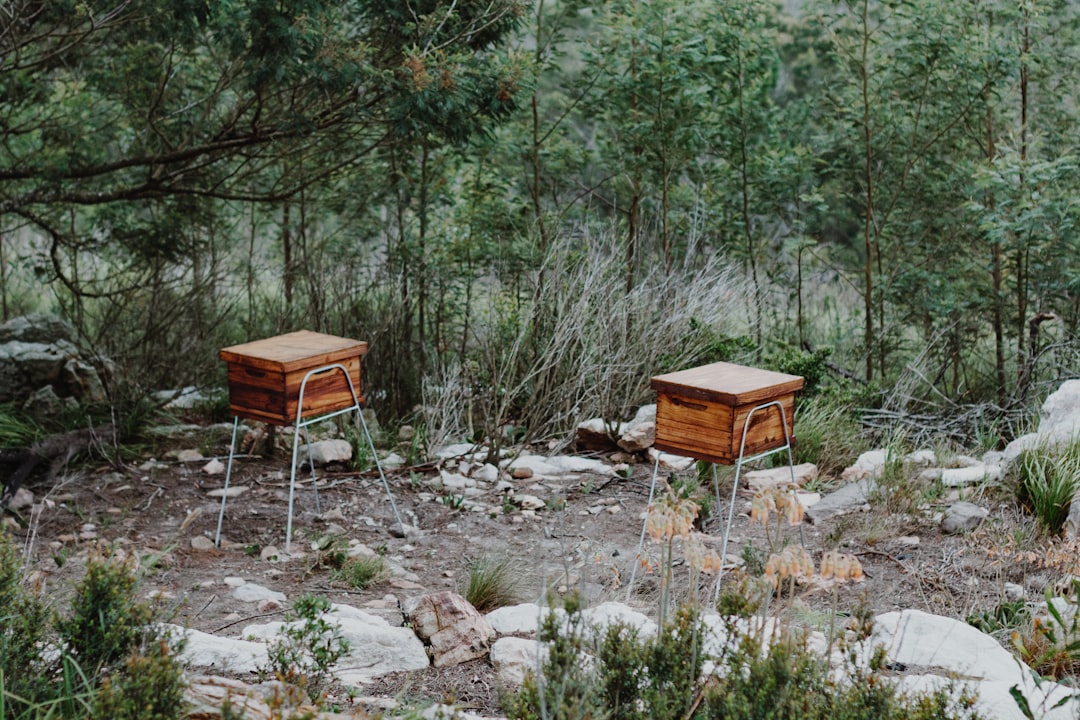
{"x":570,"y":523}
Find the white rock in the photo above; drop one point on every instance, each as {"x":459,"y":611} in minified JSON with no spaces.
{"x":250,"y":592}
{"x":22,"y":499}
{"x":225,"y":654}
{"x":186,"y":456}
{"x":529,"y":502}
{"x":455,"y":481}
{"x":758,"y":480}
{"x":869,"y":465}
{"x":638,"y":437}
{"x":466,"y":450}
{"x":233,"y":491}
{"x":962,"y":517}
{"x":677,"y":463}
{"x":200,"y":542}
{"x":921,"y":458}
{"x":606,"y":614}
{"x":963,"y":476}
{"x":914,"y":637}
{"x":375,"y":648}
{"x":328,"y":451}
{"x":487,"y":473}
{"x":519,"y":619}
{"x":513,"y":657}
{"x":393,"y":461}
{"x":214,"y":467}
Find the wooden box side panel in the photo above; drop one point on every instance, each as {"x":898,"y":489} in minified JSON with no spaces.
{"x":694,"y":427}
{"x":324,"y":392}
{"x":270,"y":394}
{"x":766,"y":431}
{"x":257,"y":393}
{"x":712,"y":431}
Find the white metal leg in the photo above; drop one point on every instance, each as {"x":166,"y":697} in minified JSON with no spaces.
{"x":716,"y":487}
{"x":301,"y":425}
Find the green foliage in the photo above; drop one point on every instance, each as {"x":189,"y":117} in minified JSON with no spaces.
{"x":811,"y":366}
{"x":494,"y":581}
{"x":760,"y":676}
{"x":23,"y":626}
{"x":309,"y":646}
{"x":149,"y":686}
{"x":828,"y":435}
{"x":16,"y":429}
{"x":361,"y":572}
{"x":1050,"y":645}
{"x":112,"y":664}
{"x":107,"y":622}
{"x":1048,"y":478}
{"x":1005,"y":616}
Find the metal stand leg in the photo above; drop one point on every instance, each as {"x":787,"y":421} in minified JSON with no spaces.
{"x":302,"y":424}
{"x":228,"y":474}
{"x":644,"y":523}
{"x":738,"y":472}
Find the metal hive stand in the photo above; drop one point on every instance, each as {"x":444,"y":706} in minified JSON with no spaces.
{"x":716,"y":486}
{"x":301,"y":424}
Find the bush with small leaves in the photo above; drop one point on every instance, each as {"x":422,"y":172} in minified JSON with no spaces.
{"x":310,"y":645}
{"x":107,"y":623}
{"x":149,"y":686}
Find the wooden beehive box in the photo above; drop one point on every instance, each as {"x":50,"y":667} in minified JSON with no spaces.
{"x":701,"y":412}
{"x":265,"y":375}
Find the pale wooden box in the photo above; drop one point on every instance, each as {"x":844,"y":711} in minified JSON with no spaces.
{"x":265,"y":375}
{"x":701,"y":412}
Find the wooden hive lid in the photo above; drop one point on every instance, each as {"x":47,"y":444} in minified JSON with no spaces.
{"x":728,"y":383}
{"x":294,"y":350}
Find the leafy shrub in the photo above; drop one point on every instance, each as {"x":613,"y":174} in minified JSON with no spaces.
{"x":112,"y":664}
{"x":493,"y":582}
{"x":23,"y":623}
{"x":107,"y":623}
{"x":626,"y":677}
{"x":150,"y":686}
{"x":308,"y":648}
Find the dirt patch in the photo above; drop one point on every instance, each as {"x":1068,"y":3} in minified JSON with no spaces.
{"x":585,"y":538}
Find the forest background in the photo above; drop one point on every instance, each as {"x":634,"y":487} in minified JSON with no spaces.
{"x":528,"y":208}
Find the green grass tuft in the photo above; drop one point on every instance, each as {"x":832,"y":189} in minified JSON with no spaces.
{"x":493,"y":582}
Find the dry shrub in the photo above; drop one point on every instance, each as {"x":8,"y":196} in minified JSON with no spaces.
{"x":583,"y":345}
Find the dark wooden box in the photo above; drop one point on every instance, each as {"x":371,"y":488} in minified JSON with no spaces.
{"x":701,"y":412}
{"x":265,"y":375}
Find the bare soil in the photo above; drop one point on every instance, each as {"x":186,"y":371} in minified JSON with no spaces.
{"x":575,"y":543}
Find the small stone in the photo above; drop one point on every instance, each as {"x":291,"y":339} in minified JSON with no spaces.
{"x":908,"y":540}
{"x":22,"y":499}
{"x":202,"y":543}
{"x":403,"y":584}
{"x":521,"y":473}
{"x":186,"y":456}
{"x":214,"y":467}
{"x":328,"y":451}
{"x":270,"y":554}
{"x":235,"y":582}
{"x":250,"y":592}
{"x":614,"y":509}
{"x":268,"y":605}
{"x":334,"y":515}
{"x":1014,"y":591}
{"x":529,"y":502}
{"x":962,"y":517}
{"x":233,"y":491}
